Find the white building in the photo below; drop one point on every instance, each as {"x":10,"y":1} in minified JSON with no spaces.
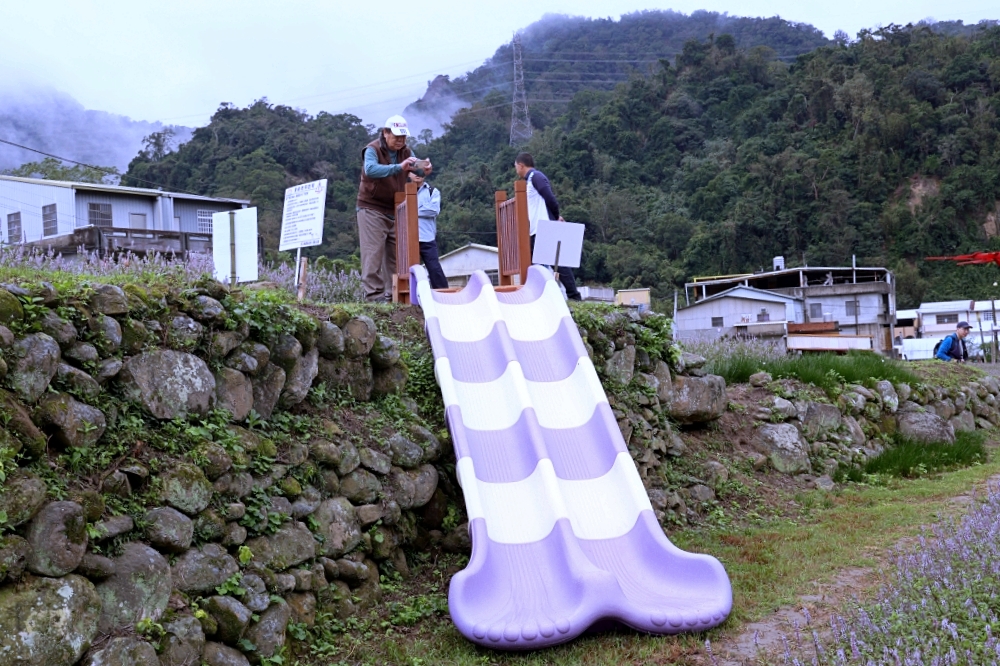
{"x":51,"y":212}
{"x":933,"y":321}
{"x":738,"y":311}
{"x":459,"y":264}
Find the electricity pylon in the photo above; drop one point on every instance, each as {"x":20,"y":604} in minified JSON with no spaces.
{"x":520,"y":124}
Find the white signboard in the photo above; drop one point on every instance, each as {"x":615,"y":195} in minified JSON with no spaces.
{"x":302,"y":220}
{"x":246,"y":245}
{"x":569,"y":238}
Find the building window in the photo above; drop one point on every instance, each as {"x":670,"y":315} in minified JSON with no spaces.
{"x":205,"y":221}
{"x":50,"y":221}
{"x":816,"y":311}
{"x":946,"y":319}
{"x":494,"y":277}
{"x":763,"y":315}
{"x":99,"y":215}
{"x":852,"y":308}
{"x":137,"y":220}
{"x":718,"y":322}
{"x":14,"y":228}
{"x":987,"y":315}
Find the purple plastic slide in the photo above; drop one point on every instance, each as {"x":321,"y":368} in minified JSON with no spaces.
{"x":563,"y":534}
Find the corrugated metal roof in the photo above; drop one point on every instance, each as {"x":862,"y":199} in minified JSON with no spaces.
{"x":474,"y":246}
{"x":906,"y":314}
{"x":120,"y":189}
{"x":751,"y":293}
{"x":946,"y":306}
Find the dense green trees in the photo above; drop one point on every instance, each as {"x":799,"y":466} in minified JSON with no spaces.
{"x":256,"y":153}
{"x":885,"y":148}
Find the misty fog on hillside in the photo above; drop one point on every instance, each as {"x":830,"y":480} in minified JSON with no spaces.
{"x":52,"y":121}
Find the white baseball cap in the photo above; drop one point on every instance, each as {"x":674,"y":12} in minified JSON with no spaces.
{"x":397,"y":125}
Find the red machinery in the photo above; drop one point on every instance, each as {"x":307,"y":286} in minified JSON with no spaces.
{"x":971,"y":259}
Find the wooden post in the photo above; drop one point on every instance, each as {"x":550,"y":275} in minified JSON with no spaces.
{"x":412,"y":235}
{"x":502,"y":280}
{"x":407,"y":243}
{"x":523,"y":241}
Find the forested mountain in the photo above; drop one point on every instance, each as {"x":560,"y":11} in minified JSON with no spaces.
{"x":564,"y":55}
{"x":887,"y":147}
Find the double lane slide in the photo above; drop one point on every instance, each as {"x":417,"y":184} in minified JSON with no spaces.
{"x":563,"y":534}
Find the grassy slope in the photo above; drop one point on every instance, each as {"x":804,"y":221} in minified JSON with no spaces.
{"x":770,"y":565}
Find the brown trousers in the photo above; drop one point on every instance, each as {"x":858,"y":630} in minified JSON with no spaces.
{"x":377,"y":237}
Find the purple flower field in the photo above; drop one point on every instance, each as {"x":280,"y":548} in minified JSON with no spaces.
{"x":939,"y":606}
{"x":17,"y":262}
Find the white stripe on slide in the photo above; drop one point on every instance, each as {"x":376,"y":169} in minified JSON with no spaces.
{"x":539,"y":319}
{"x":526,"y":511}
{"x":467,"y":322}
{"x":497,"y":405}
{"x":470,"y":322}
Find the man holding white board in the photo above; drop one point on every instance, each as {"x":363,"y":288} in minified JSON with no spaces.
{"x":543,"y":205}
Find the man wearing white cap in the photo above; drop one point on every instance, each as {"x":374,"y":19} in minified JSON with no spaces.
{"x":387,"y":161}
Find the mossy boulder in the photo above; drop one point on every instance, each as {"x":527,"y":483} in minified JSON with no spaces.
{"x":58,"y":539}
{"x":203,"y":569}
{"x":184,"y":487}
{"x":139,"y":589}
{"x":68,"y":422}
{"x":168,"y":529}
{"x":14,"y":553}
{"x":169,"y":384}
{"x":35,"y":358}
{"x":292,"y":544}
{"x":11,"y":310}
{"x":48,"y":621}
{"x":21,"y":496}
{"x":109,"y":299}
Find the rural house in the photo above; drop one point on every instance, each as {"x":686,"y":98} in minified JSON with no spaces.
{"x":65,"y":216}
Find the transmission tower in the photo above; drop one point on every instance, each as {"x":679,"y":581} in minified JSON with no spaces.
{"x":520,"y":124}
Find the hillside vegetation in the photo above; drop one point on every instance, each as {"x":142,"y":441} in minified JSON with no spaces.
{"x":885,"y":148}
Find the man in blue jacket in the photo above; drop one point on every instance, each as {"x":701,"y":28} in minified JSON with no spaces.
{"x":952,"y":348}
{"x":543,"y":205}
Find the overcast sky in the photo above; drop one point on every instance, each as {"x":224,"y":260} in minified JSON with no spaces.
{"x":176,"y":61}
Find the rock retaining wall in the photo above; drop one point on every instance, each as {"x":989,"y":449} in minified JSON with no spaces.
{"x":164,"y":479}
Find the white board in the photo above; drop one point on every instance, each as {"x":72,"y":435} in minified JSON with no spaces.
{"x":567,"y":235}
{"x":246,"y":245}
{"x":302,"y":219}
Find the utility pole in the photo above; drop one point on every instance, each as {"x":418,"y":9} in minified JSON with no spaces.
{"x":520,"y":124}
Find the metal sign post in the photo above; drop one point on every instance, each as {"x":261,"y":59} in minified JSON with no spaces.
{"x":302,"y":223}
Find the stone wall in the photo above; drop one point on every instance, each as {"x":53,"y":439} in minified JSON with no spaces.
{"x":167,"y":493}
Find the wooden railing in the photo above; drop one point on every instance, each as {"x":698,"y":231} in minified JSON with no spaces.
{"x":513,"y":245}
{"x":407,"y":243}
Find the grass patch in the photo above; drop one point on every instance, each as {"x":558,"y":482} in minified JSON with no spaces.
{"x":908,"y":459}
{"x":827,"y":371}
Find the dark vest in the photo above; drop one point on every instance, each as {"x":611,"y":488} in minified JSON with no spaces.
{"x":380,"y":193}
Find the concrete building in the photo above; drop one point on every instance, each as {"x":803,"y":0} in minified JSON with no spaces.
{"x":857,"y":304}
{"x":66,"y":215}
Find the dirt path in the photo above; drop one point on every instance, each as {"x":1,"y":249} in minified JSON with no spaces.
{"x":762,"y":643}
